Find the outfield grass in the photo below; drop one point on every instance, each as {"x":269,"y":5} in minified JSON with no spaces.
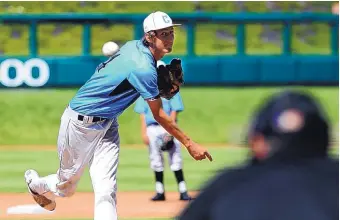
{"x":134,"y":173}
{"x":211,"y":115}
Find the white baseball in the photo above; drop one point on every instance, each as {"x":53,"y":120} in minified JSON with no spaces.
{"x":110,"y":48}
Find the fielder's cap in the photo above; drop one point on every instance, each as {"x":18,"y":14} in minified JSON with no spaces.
{"x":292,"y":115}
{"x":156,"y":21}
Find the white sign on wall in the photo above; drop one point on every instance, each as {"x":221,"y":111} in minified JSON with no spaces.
{"x":24,"y":72}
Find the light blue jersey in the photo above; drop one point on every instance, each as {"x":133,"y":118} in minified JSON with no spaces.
{"x":118,"y":82}
{"x":174,"y":104}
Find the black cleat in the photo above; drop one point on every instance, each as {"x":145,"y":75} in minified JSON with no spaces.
{"x":185,"y":197}
{"x":159,"y":197}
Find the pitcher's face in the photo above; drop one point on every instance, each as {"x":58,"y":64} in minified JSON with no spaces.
{"x":164,"y":39}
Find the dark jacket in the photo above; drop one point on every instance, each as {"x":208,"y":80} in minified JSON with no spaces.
{"x":278,"y":189}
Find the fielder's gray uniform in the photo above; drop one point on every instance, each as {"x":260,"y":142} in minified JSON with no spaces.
{"x":155,"y":133}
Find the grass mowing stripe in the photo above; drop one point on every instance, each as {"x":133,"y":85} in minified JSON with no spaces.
{"x":211,"y":115}
{"x":134,"y":173}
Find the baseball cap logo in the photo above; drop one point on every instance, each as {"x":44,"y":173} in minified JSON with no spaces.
{"x":166,"y":19}
{"x":156,"y":21}
{"x":290,"y":120}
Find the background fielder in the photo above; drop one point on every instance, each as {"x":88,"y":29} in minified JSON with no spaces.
{"x":154,"y":136}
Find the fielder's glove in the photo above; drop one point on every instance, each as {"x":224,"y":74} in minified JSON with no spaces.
{"x":167,"y":142}
{"x":170,"y":78}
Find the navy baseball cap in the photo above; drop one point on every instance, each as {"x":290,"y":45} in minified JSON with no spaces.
{"x":294,"y":117}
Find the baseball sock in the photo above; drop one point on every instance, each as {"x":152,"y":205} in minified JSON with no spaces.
{"x":159,"y":182}
{"x":180,"y":181}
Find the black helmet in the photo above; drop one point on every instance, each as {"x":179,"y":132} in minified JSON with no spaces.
{"x":295,"y":121}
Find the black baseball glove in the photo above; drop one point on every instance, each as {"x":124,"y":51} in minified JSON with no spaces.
{"x":167,"y":143}
{"x":170,"y":78}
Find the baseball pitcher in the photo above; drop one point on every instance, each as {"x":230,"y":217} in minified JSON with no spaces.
{"x":159,"y":142}
{"x":88,"y":133}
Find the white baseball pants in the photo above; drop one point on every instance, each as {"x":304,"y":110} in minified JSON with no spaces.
{"x":93,"y":144}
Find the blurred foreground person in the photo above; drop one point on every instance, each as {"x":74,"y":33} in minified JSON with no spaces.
{"x":290,"y":175}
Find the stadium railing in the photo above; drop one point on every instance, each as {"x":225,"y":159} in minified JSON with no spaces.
{"x":238,"y":69}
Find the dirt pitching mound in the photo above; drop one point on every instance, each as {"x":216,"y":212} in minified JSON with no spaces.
{"x":130,"y":205}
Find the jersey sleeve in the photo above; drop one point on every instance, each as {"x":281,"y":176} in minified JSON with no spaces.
{"x":140,"y":106}
{"x":177,"y":103}
{"x":145,"y":82}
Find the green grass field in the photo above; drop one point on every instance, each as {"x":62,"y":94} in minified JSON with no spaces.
{"x":133,"y":174}
{"x":211,"y":115}
{"x":134,"y":165}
